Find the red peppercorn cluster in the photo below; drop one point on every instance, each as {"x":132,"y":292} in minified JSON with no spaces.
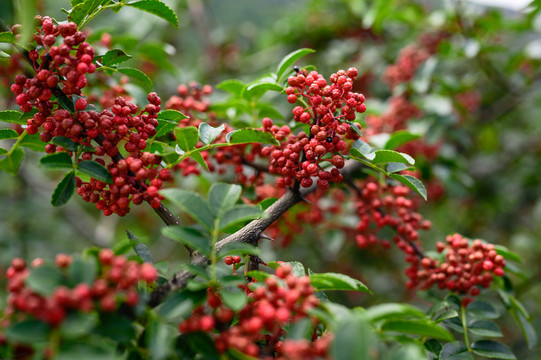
{"x":66,"y":64}
{"x":464,"y":269}
{"x":386,"y":205}
{"x":411,"y":58}
{"x":303,"y":349}
{"x":280,"y":300}
{"x":399,"y":112}
{"x":115,"y":283}
{"x":135,"y":179}
{"x":324,"y":143}
{"x":192,"y":102}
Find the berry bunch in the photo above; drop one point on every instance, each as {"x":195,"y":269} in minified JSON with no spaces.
{"x":115,"y":283}
{"x":282,"y":299}
{"x":465,"y":269}
{"x":325,"y":140}
{"x":192,"y":102}
{"x":386,"y":205}
{"x":135,"y":179}
{"x":66,"y":64}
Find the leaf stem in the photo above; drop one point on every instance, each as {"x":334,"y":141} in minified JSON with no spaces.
{"x":465,"y":327}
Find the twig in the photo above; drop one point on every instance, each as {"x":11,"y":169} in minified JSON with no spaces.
{"x":250,"y":234}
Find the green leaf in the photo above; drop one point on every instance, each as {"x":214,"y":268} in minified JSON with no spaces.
{"x":187,"y":137}
{"x":116,"y":327}
{"x":64,"y":189}
{"x":200,"y":343}
{"x":393,"y":167}
{"x":33,"y":142}
{"x":482,"y":310}
{"x":157,"y":8}
{"x":302,"y":329}
{"x":411,"y":182}
{"x":246,"y":136}
{"x":138,"y":75}
{"x":447,"y":314}
{"x":527,"y":329}
{"x":238,"y":249}
{"x":361,"y":148}
{"x":140,"y":249}
{"x":173,"y":116}
{"x":7,"y":37}
{"x":492,"y":349}
{"x":387,"y":156}
{"x":199,"y":159}
{"x":353,"y":339}
{"x":66,"y":143}
{"x":197,"y":270}
{"x":336,"y":281}
{"x":507,"y":254}
{"x":160,"y":337}
{"x":82,"y":271}
{"x":55,"y":161}
{"x":3,"y":151}
{"x":289,"y":59}
{"x":114,"y":57}
{"x":208,"y":134}
{"x":232,"y":86}
{"x":192,"y":203}
{"x":8,"y":134}
{"x":223,"y":196}
{"x":11,"y":162}
{"x":96,"y":170}
{"x":180,"y":305}
{"x":455,"y":350}
{"x":78,"y":324}
{"x":12,"y":116}
{"x":189,"y":237}
{"x":167,"y":121}
{"x":393,"y":311}
{"x":44,"y":279}
{"x":433,"y":345}
{"x":86,"y":350}
{"x":257,"y":89}
{"x":400,"y":137}
{"x":4,"y":55}
{"x":258,"y":275}
{"x":83,"y":9}
{"x":485,"y":328}
{"x":418,"y":327}
{"x":240,"y":214}
{"x":28,"y":332}
{"x":234,"y":298}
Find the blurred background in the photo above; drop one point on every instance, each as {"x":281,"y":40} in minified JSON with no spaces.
{"x":477,"y":97}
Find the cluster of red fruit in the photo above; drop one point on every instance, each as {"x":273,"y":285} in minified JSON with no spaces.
{"x":136,"y":178}
{"x":411,"y":58}
{"x":384,"y":205}
{"x":324,"y":142}
{"x":67,"y":63}
{"x":258,"y":329}
{"x":115,"y":283}
{"x":465,"y":269}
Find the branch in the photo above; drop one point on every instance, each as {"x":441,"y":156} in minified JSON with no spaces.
{"x":251,"y":234}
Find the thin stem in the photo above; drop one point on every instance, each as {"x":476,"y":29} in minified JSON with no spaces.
{"x":465,"y":327}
